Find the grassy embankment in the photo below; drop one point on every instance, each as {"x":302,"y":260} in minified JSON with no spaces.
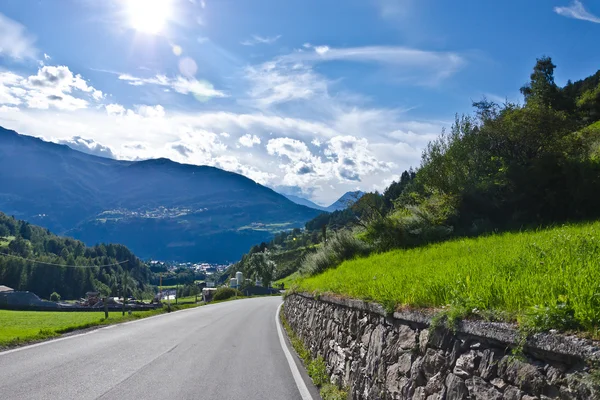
{"x":543,"y":279}
{"x":21,"y":327}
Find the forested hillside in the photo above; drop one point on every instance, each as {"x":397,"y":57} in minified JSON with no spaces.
{"x":158,"y":208}
{"x":505,"y":167}
{"x":79,"y":269}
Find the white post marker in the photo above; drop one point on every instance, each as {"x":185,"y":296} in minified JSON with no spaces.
{"x":304,"y":393}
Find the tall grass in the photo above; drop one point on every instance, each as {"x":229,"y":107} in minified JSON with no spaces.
{"x":340,"y":247}
{"x":519,"y":274}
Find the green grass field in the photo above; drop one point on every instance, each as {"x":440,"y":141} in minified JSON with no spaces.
{"x":288,"y":281}
{"x":550,"y":277}
{"x":4,"y":241}
{"x":19,"y":327}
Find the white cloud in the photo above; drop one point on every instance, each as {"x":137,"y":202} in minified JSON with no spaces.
{"x":88,"y":146}
{"x":274,"y":83}
{"x":200,"y":89}
{"x":47,"y":57}
{"x":322,"y":49}
{"x":577,"y":10}
{"x":52,"y":86}
{"x":249,"y":140}
{"x":115,"y":109}
{"x":353,"y":159}
{"x":225,"y":134}
{"x":430,"y":66}
{"x":157,"y":111}
{"x":15,"y":42}
{"x":316,"y":142}
{"x":256,"y":39}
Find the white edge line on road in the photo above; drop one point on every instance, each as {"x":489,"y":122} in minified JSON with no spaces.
{"x":304,"y":393}
{"x":60,"y":339}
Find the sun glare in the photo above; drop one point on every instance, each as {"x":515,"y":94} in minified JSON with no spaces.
{"x":149,"y":16}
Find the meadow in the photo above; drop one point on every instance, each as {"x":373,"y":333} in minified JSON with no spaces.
{"x":20,"y":327}
{"x":545,"y":278}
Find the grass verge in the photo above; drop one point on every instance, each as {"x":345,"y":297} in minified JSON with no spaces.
{"x":545,"y":279}
{"x":316,"y":367}
{"x":22,"y":327}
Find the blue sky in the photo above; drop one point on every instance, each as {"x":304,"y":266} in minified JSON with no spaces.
{"x":312,"y":98}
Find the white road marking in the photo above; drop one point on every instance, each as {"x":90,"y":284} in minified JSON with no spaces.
{"x":295,"y":372}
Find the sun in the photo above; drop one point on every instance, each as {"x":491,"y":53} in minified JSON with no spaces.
{"x":148,"y":16}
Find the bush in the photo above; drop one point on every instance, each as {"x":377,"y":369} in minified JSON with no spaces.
{"x":224,"y":293}
{"x":332,"y":392}
{"x":55,"y":297}
{"x":413,"y":225}
{"x":343,"y":246}
{"x":317,"y":370}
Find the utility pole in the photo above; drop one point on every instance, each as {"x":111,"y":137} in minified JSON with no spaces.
{"x":125,"y":276}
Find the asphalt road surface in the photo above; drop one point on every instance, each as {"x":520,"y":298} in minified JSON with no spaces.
{"x":225,"y":351}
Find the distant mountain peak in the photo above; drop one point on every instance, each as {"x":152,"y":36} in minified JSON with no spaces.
{"x":305,"y":202}
{"x":345,"y":201}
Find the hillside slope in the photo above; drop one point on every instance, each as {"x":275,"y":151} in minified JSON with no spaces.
{"x":21,"y":242}
{"x":545,"y":277}
{"x":158,"y":208}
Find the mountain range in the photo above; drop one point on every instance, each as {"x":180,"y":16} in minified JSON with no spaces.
{"x":158,"y":208}
{"x":343,"y":202}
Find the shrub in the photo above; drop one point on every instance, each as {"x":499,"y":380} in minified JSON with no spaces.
{"x":332,"y":392}
{"x":317,"y":370}
{"x":55,"y":297}
{"x":343,"y":246}
{"x":224,"y":293}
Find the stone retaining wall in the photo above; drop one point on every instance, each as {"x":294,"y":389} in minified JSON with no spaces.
{"x":404,"y":357}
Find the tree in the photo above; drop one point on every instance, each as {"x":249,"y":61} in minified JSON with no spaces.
{"x":19,"y":246}
{"x":25,"y":231}
{"x":262,"y":267}
{"x":542,"y":88}
{"x":55,"y":297}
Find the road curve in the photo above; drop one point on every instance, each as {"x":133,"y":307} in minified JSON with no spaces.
{"x":223,"y":351}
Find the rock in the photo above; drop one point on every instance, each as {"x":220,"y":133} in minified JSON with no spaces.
{"x":404,"y":364}
{"x":366,"y":337}
{"x":436,"y":396}
{"x":488,"y":365}
{"x":375,"y":349}
{"x":527,"y":397}
{"x":455,"y":388}
{"x":554,"y":375}
{"x":512,"y":393}
{"x":419,"y":394}
{"x":435,"y":385}
{"x":392,"y":379}
{"x":407,"y":338}
{"x":481,"y":390}
{"x":499,"y":384}
{"x":433,"y":362}
{"x":423,"y":339}
{"x":440,"y":338}
{"x":583,"y":388}
{"x":416,"y":372}
{"x":521,"y":374}
{"x":466,"y":364}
